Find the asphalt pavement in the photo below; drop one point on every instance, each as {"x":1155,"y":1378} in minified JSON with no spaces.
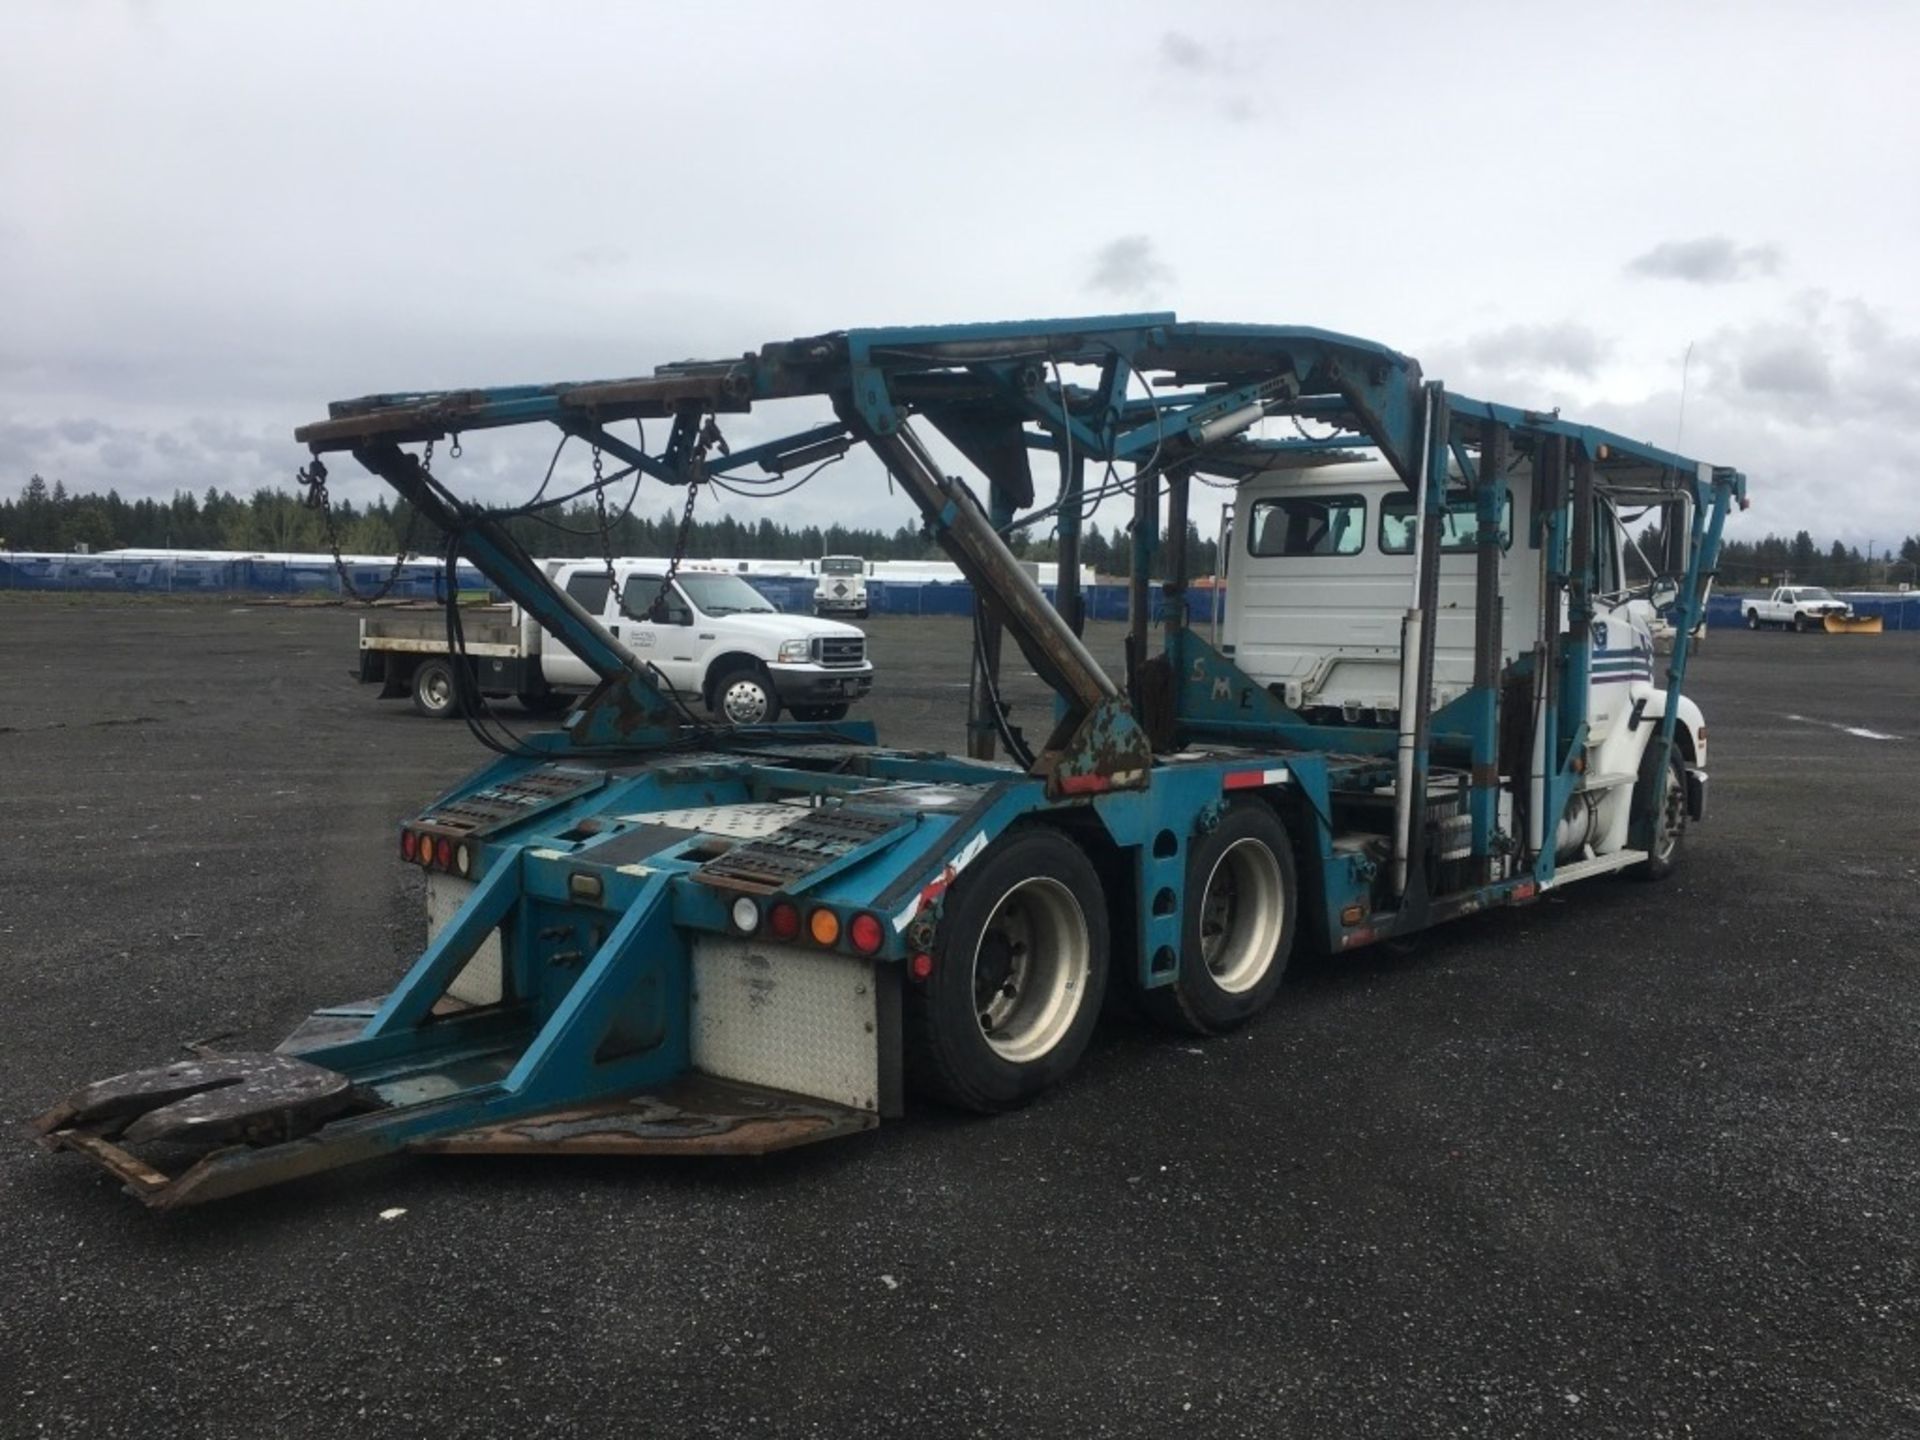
{"x":1637,"y":1160}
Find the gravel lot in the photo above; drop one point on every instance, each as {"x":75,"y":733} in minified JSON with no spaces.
{"x":1638,"y":1161}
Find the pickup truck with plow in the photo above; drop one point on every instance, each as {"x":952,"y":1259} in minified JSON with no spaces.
{"x":1807,"y":607}
{"x":655,"y":932}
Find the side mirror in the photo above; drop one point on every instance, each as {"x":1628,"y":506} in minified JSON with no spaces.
{"x":1664,"y":594}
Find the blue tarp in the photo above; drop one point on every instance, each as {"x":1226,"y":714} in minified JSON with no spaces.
{"x":241,"y":575}
{"x":421,"y":580}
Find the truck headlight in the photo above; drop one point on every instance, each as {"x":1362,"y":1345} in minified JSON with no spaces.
{"x":795,"y":651}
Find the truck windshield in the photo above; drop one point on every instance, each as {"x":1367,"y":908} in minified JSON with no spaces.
{"x":842,"y":565}
{"x":724,"y":595}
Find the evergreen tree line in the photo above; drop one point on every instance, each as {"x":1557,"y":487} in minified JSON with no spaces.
{"x":1801,"y":560}
{"x":48,"y":518}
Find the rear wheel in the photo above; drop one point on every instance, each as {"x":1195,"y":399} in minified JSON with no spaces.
{"x":1670,"y":825}
{"x":1753,"y":619}
{"x":434,"y":692}
{"x":1020,"y":967}
{"x":820,"y":712}
{"x":1238,"y":929}
{"x":745,"y":696}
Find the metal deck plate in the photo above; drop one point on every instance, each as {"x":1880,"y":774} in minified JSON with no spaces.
{"x":511,"y":801}
{"x":696,"y":1115}
{"x":815,"y":839}
{"x":740,"y":822}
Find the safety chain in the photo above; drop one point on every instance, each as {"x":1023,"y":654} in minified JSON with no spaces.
{"x":314,"y":477}
{"x":710,"y":438}
{"x":600,"y":508}
{"x":679,"y":549}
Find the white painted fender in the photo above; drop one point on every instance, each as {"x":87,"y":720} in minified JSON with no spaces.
{"x":1689,"y":717}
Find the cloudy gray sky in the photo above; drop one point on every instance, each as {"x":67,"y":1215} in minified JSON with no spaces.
{"x":214,"y":218}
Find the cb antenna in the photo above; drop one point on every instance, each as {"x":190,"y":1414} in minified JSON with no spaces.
{"x":1680,"y":429}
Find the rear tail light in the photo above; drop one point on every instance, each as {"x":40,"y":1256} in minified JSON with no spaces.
{"x":865,"y":933}
{"x":745,"y":915}
{"x":784,"y":920}
{"x":423,"y":851}
{"x":463,"y":859}
{"x":443,"y":853}
{"x":409,"y":842}
{"x":920,"y":967}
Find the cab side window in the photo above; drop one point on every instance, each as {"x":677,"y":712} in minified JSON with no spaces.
{"x":1308,"y":525}
{"x":1459,"y":529}
{"x":589,"y":588}
{"x":671,"y":608}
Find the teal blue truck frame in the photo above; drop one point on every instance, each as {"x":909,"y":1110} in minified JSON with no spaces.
{"x":665,"y":935}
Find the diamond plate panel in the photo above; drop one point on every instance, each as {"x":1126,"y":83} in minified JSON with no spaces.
{"x":741,"y":822}
{"x":479,"y":982}
{"x":786,"y":1017}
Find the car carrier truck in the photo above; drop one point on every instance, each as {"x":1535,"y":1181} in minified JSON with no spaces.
{"x":652,"y":932}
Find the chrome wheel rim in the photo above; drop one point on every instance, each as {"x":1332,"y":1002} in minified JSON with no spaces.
{"x":439,"y":689}
{"x":1030,"y":969}
{"x":1243,"y":911}
{"x":745,"y":702}
{"x":1673,"y":816}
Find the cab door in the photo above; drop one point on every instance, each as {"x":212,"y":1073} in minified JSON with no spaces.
{"x":660,"y":629}
{"x":589,"y":587}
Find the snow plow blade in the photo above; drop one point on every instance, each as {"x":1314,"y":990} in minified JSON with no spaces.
{"x":1853,"y":624}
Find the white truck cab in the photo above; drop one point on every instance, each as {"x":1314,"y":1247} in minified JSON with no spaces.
{"x":841,"y":588}
{"x":1321,"y":576}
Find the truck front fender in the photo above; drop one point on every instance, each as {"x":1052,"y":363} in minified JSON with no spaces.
{"x":1689,"y":728}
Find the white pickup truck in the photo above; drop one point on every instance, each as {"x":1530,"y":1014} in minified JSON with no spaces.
{"x":1804,"y":607}
{"x":711,"y":636}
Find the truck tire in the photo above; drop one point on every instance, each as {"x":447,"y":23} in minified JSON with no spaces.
{"x":1800,"y":626}
{"x":434,"y":693}
{"x":1663,"y":850}
{"x":1753,"y":619}
{"x":1019,"y":973}
{"x":1237,"y":933}
{"x":745,"y":696}
{"x":820,"y":712}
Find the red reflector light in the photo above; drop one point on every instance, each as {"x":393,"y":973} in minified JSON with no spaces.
{"x":865,"y":933}
{"x":784,"y":920}
{"x":408,"y":841}
{"x":443,"y":853}
{"x":920,"y":967}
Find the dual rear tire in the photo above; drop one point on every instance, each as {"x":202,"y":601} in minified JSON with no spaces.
{"x":1239,"y":926}
{"x":1022,"y":954}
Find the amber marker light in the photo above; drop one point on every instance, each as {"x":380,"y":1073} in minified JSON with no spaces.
{"x":824,"y":926}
